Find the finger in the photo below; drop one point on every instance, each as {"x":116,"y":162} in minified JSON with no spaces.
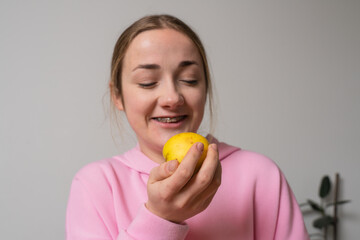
{"x":211,"y":161}
{"x":207,"y":173}
{"x":186,"y":169}
{"x":163,"y":171}
{"x":206,"y":196}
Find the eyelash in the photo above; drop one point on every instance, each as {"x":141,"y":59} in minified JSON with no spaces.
{"x":152,"y":84}
{"x":147,"y":85}
{"x":190,"y":82}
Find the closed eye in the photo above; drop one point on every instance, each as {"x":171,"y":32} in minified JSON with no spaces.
{"x":147,"y":85}
{"x":190,"y":82}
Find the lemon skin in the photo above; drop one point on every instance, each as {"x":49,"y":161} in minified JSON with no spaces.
{"x":178,"y":145}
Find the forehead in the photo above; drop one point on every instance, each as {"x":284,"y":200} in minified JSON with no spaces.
{"x":159,"y":45}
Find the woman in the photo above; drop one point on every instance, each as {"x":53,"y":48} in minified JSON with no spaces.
{"x":160,"y":80}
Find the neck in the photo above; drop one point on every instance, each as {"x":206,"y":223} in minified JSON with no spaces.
{"x":154,"y":154}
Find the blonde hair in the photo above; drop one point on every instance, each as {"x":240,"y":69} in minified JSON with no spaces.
{"x":147,"y":23}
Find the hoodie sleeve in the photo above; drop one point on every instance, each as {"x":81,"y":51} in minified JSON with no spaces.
{"x":277,"y":213}
{"x":289,"y":223}
{"x":148,"y":226}
{"x":92,"y":212}
{"x":83,"y":218}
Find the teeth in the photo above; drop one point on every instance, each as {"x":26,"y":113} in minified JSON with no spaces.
{"x":169,"y":120}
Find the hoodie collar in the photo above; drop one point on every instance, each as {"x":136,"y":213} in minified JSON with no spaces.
{"x":138,"y":161}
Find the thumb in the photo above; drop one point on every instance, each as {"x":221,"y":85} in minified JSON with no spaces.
{"x":163,"y":171}
{"x":171,"y":166}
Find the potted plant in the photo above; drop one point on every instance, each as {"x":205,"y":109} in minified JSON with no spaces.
{"x":326,"y":220}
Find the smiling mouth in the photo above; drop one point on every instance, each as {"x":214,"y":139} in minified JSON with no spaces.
{"x":169,"y":119}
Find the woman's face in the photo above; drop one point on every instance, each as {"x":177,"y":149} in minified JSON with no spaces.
{"x":163,"y":88}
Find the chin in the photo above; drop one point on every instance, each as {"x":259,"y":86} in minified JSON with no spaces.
{"x":166,"y":135}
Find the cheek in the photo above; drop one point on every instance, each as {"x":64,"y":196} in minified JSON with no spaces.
{"x":198,"y":112}
{"x":137,"y":107}
{"x":197,"y":101}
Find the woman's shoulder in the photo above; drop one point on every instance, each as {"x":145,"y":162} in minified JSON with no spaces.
{"x":246,"y":160}
{"x":100,"y":169}
{"x":132,"y":162}
{"x":229,"y":152}
{"x":106,"y":168}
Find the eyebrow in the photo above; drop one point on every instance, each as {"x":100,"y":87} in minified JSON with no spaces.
{"x":187,"y":63}
{"x":156,"y":66}
{"x":147,"y":66}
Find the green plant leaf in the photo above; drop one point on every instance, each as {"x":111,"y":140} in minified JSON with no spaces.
{"x":323,"y":222}
{"x":337,"y":203}
{"x":315,"y":206}
{"x":325,"y":186}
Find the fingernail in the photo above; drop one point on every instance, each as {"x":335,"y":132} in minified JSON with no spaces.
{"x":200,"y":146}
{"x":214,"y":146}
{"x":172,"y":165}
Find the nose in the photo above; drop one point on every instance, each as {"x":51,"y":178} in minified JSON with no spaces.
{"x":170,"y":96}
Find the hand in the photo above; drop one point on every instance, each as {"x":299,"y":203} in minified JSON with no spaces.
{"x":175,"y":193}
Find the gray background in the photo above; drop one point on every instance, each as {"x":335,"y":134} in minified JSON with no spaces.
{"x":286,"y":76}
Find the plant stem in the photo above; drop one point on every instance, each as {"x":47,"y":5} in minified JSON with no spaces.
{"x":337,"y":176}
{"x":325,"y":232}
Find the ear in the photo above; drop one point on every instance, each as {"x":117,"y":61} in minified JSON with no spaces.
{"x":116,"y":99}
{"x":117,"y":102}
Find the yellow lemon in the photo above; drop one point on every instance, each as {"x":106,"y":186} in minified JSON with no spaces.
{"x":177,"y":147}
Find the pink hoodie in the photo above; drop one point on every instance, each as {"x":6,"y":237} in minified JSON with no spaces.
{"x":254,"y":201}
